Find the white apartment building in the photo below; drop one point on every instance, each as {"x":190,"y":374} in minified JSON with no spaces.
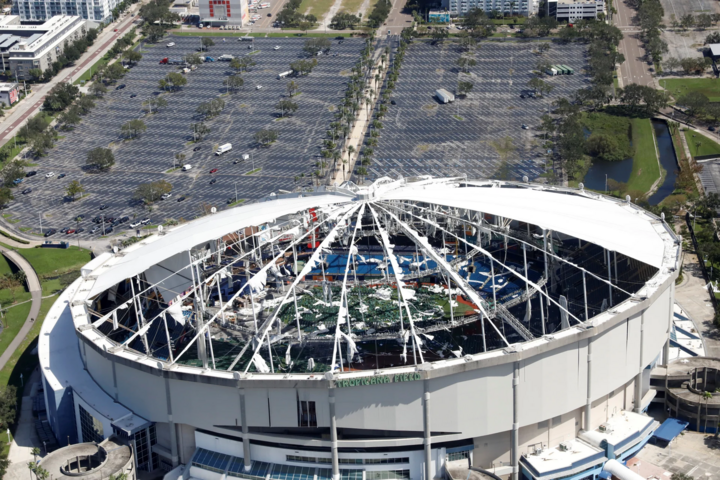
{"x":39,"y":10}
{"x":572,"y":10}
{"x":509,"y":7}
{"x":24,"y":47}
{"x":224,"y":12}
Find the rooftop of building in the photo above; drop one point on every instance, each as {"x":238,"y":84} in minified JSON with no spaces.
{"x":16,"y":37}
{"x":113,"y":455}
{"x":7,"y":86}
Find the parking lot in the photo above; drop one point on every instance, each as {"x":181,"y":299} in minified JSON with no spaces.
{"x":150,"y":156}
{"x":422,"y":136}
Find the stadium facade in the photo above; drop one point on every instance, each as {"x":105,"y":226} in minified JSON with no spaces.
{"x":372,"y":333}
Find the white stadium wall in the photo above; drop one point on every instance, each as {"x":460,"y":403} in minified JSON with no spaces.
{"x":500,"y":403}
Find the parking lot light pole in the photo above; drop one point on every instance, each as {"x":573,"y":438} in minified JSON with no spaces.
{"x":40,"y":217}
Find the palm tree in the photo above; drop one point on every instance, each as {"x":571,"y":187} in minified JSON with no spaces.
{"x":35,"y":450}
{"x":350,"y":150}
{"x":335,"y":156}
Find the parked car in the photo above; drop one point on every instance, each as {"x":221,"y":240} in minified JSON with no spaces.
{"x":214,"y":170}
{"x":133,"y":95}
{"x":50,"y":175}
{"x":71,"y":231}
{"x":711,"y":128}
{"x":62,"y":175}
{"x":259,"y":87}
{"x":103,"y":206}
{"x":31,"y":173}
{"x":166,"y":196}
{"x":50,"y":232}
{"x":80,"y":217}
{"x":120,"y":87}
{"x":393,"y":102}
{"x":124,"y":219}
{"x":171,"y":44}
{"x":135,"y":224}
{"x":64,"y":230}
{"x":197,"y":148}
{"x":17,"y":181}
{"x":181,"y":199}
{"x":93,"y":230}
{"x":26,"y":191}
{"x":276,"y":47}
{"x":145,"y":220}
{"x":213,"y":181}
{"x":524,"y":127}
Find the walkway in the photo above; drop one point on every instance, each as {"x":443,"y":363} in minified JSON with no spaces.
{"x":693,"y":297}
{"x":25,"y":437}
{"x":13,"y":122}
{"x":33,"y":283}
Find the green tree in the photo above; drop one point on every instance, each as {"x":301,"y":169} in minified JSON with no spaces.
{"x":11,"y":171}
{"x":286,"y":106}
{"x":234,"y":82}
{"x":464,"y":88}
{"x":153,"y":191}
{"x":196,"y":59}
{"x":173,"y":81}
{"x":207,"y":42}
{"x":97,"y":89}
{"x":292,"y":88}
{"x":6,"y":197}
{"x":132,"y":128}
{"x":313,"y":46}
{"x":266,"y":137}
{"x":695,"y":102}
{"x":100,"y":158}
{"x":70,"y":117}
{"x":199,"y":131}
{"x":132,"y":56}
{"x":73,"y":189}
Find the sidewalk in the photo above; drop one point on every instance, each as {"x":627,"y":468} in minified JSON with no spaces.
{"x":363,"y":119}
{"x":25,"y":438}
{"x":692,"y":296}
{"x":13,"y":122}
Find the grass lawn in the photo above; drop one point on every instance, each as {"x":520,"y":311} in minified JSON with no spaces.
{"x":645,"y":164}
{"x":316,"y":7}
{"x":352,"y":6}
{"x":706,"y":147}
{"x":55,"y":260}
{"x":5,"y":266}
{"x":680,"y":86}
{"x":91,"y":71}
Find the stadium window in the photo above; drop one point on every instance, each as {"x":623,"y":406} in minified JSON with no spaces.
{"x":306,"y":414}
{"x":91,"y":428}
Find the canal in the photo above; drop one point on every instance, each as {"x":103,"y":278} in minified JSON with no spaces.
{"x":620,"y":171}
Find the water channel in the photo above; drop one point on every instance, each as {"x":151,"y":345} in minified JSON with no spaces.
{"x":620,"y":171}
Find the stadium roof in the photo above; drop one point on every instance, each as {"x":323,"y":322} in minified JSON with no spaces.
{"x":612,"y":224}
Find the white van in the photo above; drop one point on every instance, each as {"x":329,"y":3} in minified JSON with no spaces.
{"x":186,"y":167}
{"x":284,"y":74}
{"x":223,"y":148}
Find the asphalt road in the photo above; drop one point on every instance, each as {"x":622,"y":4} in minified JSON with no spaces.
{"x":635,"y":69}
{"x":421,"y":136}
{"x":150,"y":156}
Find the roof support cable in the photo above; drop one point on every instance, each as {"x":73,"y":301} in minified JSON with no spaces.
{"x":257,"y":277}
{"x":345,"y":213}
{"x":424,"y":245}
{"x":518,"y":275}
